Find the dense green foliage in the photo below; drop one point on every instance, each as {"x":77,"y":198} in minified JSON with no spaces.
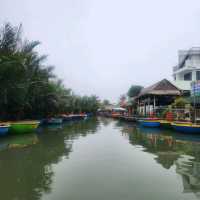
{"x":106,"y":102}
{"x":29,"y":88}
{"x":180,"y":102}
{"x":134,"y":90}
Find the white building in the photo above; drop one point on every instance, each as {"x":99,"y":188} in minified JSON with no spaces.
{"x":188,"y":68}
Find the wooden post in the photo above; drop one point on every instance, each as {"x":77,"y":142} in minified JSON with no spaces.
{"x":149,"y":105}
{"x":154,"y":103}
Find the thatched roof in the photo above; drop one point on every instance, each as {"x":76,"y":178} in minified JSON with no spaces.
{"x":163,"y":87}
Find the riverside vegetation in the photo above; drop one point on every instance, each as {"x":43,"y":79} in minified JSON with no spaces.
{"x":29,"y":88}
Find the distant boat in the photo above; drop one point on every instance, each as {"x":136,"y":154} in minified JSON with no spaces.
{"x":78,"y":116}
{"x":65,"y":118}
{"x":89,"y":115}
{"x":115,"y":115}
{"x":117,"y":112}
{"x":52,"y":121}
{"x":23,"y":126}
{"x":150,"y":123}
{"x":186,"y":127}
{"x":4,"y":129}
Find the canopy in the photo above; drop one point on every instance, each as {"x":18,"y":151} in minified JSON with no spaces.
{"x":119,"y":109}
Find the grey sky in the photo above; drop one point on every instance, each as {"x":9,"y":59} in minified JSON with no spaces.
{"x":103,"y":46}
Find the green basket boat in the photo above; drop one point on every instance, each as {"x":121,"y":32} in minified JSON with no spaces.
{"x":23,"y":127}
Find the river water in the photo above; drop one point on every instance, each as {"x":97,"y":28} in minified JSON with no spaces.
{"x":100,"y":159}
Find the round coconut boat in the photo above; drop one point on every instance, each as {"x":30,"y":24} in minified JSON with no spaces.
{"x":22,"y":127}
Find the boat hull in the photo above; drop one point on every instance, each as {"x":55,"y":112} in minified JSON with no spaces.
{"x":4,"y":130}
{"x":52,"y":121}
{"x":23,"y":127}
{"x":186,"y":128}
{"x":77,"y":117}
{"x":67,"y":119}
{"x":151,"y":124}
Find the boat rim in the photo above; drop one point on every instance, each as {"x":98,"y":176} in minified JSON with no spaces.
{"x":25,"y":122}
{"x":4,"y":126}
{"x":187,"y":125}
{"x":150,"y":121}
{"x":165,"y":122}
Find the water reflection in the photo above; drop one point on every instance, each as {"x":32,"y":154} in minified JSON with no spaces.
{"x":105,"y":121}
{"x":189,"y":169}
{"x":181,"y":151}
{"x":46,"y":165}
{"x":18,"y":141}
{"x":26,"y":173}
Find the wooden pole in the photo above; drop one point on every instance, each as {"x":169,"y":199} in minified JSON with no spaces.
{"x":138,"y":109}
{"x":149,"y":105}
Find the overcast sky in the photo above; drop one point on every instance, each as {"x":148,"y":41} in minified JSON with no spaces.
{"x":103,"y":46}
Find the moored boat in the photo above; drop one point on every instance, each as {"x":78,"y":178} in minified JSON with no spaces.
{"x":65,"y":117}
{"x":150,"y":123}
{"x":78,"y":116}
{"x":186,"y":127}
{"x":52,"y":121}
{"x":23,"y":126}
{"x":89,"y":115}
{"x":116,"y":115}
{"x":4,"y":129}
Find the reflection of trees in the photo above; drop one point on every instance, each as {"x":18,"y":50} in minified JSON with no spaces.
{"x":166,"y":146}
{"x":82,"y":128}
{"x":121,"y":124}
{"x":171,"y":149}
{"x":105,"y":120}
{"x":26,"y":173}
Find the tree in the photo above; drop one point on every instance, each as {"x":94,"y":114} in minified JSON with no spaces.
{"x":29,"y":88}
{"x":122,"y":100}
{"x":106,"y":102}
{"x":180,"y":102}
{"x":134,"y":90}
{"x":23,"y":77}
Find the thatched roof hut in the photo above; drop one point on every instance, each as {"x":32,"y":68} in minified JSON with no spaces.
{"x":163,"y":87}
{"x":157,"y":95}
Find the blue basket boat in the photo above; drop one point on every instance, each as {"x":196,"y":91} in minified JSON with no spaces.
{"x":4,"y":129}
{"x":186,"y":128}
{"x":150,"y":123}
{"x":52,"y":121}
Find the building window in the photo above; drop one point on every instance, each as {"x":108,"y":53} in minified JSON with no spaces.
{"x":198,"y":75}
{"x":188,"y":76}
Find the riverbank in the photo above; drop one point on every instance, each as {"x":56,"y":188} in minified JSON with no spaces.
{"x":27,"y":127}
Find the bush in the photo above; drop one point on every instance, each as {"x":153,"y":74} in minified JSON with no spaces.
{"x":180,"y":103}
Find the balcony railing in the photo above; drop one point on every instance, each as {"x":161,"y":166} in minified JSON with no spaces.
{"x":188,"y":65}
